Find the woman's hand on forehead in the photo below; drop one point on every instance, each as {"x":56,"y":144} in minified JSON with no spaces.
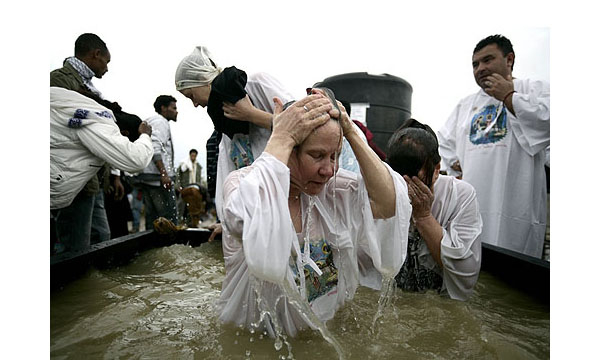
{"x":301,"y":118}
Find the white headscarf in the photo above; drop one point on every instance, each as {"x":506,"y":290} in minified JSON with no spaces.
{"x":196,"y":69}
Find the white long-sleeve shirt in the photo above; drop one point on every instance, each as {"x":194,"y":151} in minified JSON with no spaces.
{"x":456,"y":209}
{"x":162,"y":143}
{"x":83,"y":136}
{"x":260,"y":242}
{"x":502,"y":155}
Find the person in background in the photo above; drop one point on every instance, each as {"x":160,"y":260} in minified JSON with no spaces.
{"x":444,"y":249}
{"x":156,"y":180}
{"x":212,"y":158}
{"x":136,"y":203}
{"x":83,"y":136}
{"x":91,"y":58}
{"x":189,"y":171}
{"x":191,"y":203}
{"x":118,"y":210}
{"x":293,"y":221}
{"x":496,"y":140}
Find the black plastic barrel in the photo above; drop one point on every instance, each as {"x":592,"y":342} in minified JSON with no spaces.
{"x":389,"y":98}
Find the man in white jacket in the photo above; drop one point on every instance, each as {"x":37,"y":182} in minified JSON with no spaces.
{"x":496,"y":138}
{"x":157,"y":179}
{"x":83,"y":136}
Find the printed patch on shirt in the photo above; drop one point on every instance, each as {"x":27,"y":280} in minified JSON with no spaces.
{"x":241,"y":153}
{"x":316,"y":285}
{"x":488,"y":126}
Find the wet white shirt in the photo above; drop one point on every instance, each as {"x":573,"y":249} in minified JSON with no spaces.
{"x":260,"y":242}
{"x":456,"y":209}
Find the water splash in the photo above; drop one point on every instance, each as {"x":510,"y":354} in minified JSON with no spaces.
{"x":304,"y":309}
{"x":268,"y":317}
{"x":388,"y":287}
{"x":269,"y":320}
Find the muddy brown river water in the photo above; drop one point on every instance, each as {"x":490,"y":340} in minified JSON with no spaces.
{"x":160,"y":306}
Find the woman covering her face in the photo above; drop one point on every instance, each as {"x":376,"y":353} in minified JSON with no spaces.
{"x":293,"y":220}
{"x":444,"y":249}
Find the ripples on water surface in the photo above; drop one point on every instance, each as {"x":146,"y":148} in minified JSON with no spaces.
{"x":160,"y":306}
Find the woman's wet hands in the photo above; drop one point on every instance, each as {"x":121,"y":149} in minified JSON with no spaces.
{"x":343,"y":118}
{"x":301,"y":118}
{"x":345,"y":121}
{"x":421,"y":197}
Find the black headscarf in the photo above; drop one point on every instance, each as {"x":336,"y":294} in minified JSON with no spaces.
{"x":228,"y":86}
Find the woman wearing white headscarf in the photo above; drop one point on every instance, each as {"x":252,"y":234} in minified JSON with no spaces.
{"x":241,"y":108}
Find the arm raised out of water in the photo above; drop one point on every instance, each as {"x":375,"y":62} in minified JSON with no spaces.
{"x":378,"y":180}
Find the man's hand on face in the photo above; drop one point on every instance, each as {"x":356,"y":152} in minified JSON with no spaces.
{"x":497,"y":86}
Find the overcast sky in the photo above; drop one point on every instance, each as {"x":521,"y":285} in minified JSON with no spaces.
{"x":435,"y":60}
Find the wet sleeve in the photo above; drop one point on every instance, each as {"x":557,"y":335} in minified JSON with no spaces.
{"x":461,"y":246}
{"x":385,"y":240}
{"x":255,"y":209}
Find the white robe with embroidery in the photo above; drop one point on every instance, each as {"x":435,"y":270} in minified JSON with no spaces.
{"x":259,"y":239}
{"x":503,"y":158}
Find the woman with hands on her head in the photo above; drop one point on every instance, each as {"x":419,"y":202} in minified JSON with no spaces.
{"x":444,"y":249}
{"x":293,"y":212}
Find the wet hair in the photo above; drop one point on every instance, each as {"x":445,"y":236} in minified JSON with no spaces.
{"x":413,"y":147}
{"x":330,"y":95}
{"x":346,"y":105}
{"x":88,"y":42}
{"x":502,"y":42}
{"x":163,"y":100}
{"x":193,"y":151}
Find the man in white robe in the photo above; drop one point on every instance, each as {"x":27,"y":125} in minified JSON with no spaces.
{"x":496,"y":140}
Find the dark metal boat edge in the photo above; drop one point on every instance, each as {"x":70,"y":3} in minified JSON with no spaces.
{"x":525,"y":273}
{"x":528,"y":274}
{"x":67,"y":267}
